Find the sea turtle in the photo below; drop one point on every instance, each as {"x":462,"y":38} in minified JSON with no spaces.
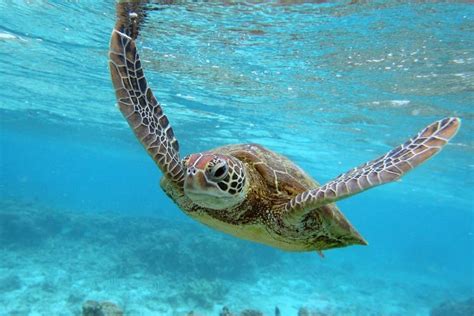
{"x":246,"y":190}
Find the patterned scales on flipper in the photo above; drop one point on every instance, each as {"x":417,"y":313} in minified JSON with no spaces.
{"x":139,"y":106}
{"x":387,"y":168}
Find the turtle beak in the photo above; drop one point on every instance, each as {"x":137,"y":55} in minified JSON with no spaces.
{"x":194,"y":181}
{"x":189,"y":179}
{"x":196,"y":184}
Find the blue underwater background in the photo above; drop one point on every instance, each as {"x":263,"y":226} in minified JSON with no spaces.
{"x":330,"y":85}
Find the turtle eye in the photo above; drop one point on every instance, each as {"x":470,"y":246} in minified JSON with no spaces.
{"x":219,"y":171}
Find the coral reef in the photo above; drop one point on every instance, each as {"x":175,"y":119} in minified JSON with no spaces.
{"x":246,"y":312}
{"x":10,"y":283}
{"x":27,"y":226}
{"x":203,"y":293}
{"x":454,"y":308}
{"x":94,"y":308}
{"x":251,"y":312}
{"x":155,"y":245}
{"x":53,"y":260}
{"x":225,"y":312}
{"x":303,"y":311}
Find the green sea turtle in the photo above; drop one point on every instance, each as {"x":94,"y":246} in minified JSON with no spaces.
{"x":247,"y":190}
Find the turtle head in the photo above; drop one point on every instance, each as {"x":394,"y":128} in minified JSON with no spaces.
{"x":214,"y":181}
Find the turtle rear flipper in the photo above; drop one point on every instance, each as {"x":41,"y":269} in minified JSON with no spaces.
{"x":138,"y":104}
{"x":385,"y":169}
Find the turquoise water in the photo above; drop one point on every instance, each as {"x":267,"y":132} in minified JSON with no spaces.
{"x":329,"y":85}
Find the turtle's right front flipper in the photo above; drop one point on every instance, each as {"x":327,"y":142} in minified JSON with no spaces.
{"x":385,"y":169}
{"x":138,"y":104}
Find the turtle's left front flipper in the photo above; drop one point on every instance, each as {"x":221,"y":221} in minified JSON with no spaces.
{"x":387,"y":168}
{"x":135,"y":99}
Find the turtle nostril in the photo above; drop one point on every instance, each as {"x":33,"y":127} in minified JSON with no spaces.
{"x":191,"y":171}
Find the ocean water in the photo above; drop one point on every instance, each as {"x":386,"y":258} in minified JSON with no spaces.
{"x":330,"y":85}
